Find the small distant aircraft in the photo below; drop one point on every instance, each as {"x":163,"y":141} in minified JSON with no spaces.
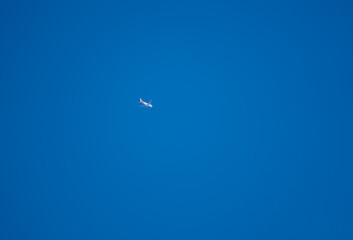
{"x":145,"y":104}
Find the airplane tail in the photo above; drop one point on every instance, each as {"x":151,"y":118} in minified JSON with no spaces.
{"x":140,"y":100}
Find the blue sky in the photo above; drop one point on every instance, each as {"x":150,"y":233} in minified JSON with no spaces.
{"x":250,"y":135}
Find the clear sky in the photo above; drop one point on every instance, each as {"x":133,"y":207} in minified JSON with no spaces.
{"x":250,"y":135}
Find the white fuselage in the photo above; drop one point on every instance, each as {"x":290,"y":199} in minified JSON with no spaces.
{"x":146,"y":104}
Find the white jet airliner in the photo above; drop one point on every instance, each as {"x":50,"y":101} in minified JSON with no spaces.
{"x":145,"y":104}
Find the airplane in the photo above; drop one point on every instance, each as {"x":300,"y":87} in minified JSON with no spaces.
{"x":145,"y":104}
